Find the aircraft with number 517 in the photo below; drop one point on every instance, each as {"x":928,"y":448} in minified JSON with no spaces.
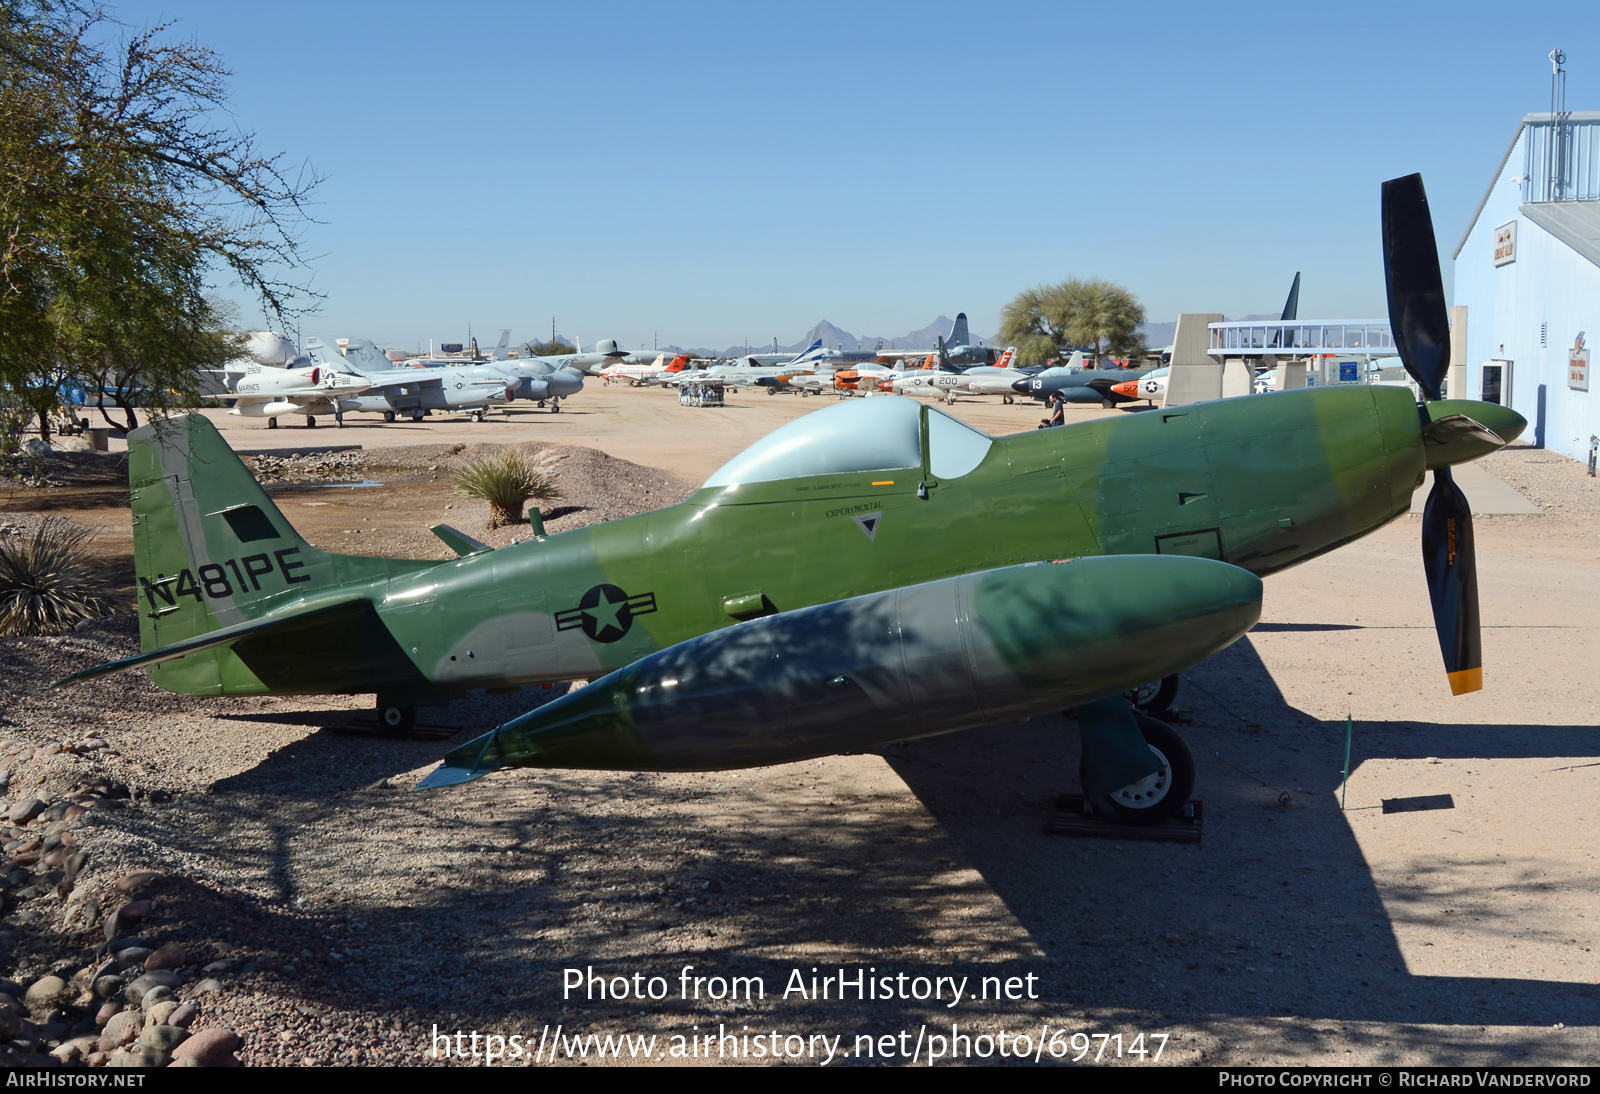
{"x":969,"y":579}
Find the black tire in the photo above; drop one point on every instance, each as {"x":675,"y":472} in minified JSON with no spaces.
{"x":311,"y":421}
{"x":417,"y":417}
{"x":555,"y":408}
{"x":1155,"y":697}
{"x":1107,"y":404}
{"x":272,"y":423}
{"x":388,"y":415}
{"x":399,"y":719}
{"x":1162,"y":795}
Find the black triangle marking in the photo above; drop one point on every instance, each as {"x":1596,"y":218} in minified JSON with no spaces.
{"x":868,"y":523}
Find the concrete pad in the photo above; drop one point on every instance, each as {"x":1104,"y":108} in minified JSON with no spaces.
{"x":1485,"y":493}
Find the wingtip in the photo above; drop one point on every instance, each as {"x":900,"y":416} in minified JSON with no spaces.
{"x":447,"y":775}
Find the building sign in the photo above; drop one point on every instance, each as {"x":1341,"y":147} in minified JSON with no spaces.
{"x":1505,"y":244}
{"x":1348,"y":372}
{"x":1578,"y":366}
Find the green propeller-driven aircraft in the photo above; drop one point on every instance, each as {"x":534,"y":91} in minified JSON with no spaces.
{"x":870,"y":572}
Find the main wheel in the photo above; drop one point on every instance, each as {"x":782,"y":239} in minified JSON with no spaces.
{"x":1107,"y":404}
{"x":388,"y":415}
{"x":272,"y":423}
{"x":477,"y":415}
{"x":400,"y":719}
{"x":311,"y":421}
{"x":417,"y":417}
{"x":555,"y":408}
{"x":1156,"y":697}
{"x":1157,"y":797}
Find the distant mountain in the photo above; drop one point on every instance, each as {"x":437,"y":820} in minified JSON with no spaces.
{"x":836,"y":337}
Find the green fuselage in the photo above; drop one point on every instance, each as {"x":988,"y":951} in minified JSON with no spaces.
{"x":1261,"y":482}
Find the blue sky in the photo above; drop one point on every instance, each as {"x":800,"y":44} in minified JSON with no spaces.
{"x":716,"y":172}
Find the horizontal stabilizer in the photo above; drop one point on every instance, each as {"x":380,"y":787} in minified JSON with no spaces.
{"x":325,"y":613}
{"x":458,"y":541}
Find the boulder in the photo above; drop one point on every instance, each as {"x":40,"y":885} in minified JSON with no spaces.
{"x":123,"y":1028}
{"x":134,"y":993}
{"x":210,"y":1048}
{"x":46,"y":992}
{"x":168,"y":955}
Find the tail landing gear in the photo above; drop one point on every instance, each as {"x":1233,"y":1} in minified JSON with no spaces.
{"x":398,"y":719}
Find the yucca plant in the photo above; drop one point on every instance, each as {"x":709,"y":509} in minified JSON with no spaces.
{"x":49,"y":582}
{"x":506,"y":480}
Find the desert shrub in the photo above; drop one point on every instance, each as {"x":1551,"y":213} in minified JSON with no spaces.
{"x":49,"y":582}
{"x":507,"y":480}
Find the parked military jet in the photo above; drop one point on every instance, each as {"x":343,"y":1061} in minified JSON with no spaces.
{"x":263,"y":391}
{"x":412,"y":392}
{"x":953,"y":352}
{"x":945,"y":603}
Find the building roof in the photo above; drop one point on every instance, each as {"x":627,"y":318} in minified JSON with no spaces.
{"x":1527,"y":120}
{"x":1575,"y":223}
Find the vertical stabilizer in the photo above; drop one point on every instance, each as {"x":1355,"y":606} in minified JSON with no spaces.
{"x":502,"y":347}
{"x":1291,"y":306}
{"x":958,"y":333}
{"x":211,"y":551}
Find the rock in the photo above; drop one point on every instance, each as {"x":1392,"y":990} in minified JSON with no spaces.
{"x":47,"y":991}
{"x":210,"y":1048}
{"x":185,"y":1061}
{"x":11,"y":1003}
{"x":56,"y":856}
{"x":136,"y":910}
{"x":10,"y":1025}
{"x":75,"y":1049}
{"x":96,"y":1059}
{"x":117,"y":945}
{"x":227,"y":964}
{"x":29,"y":917}
{"x":107,"y":1012}
{"x":141,"y":1058}
{"x":158,"y":1014}
{"x":133,"y":956}
{"x":135,"y":992}
{"x":73,"y":812}
{"x":138,"y":879}
{"x":162,"y":1039}
{"x":168,"y":955}
{"x":24,"y":811}
{"x":183,"y":1017}
{"x":123,"y":1028}
{"x":161,"y":993}
{"x":205,"y":987}
{"x":107,"y":986}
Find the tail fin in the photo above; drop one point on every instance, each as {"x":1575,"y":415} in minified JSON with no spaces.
{"x":364,"y":358}
{"x":211,"y":552}
{"x":502,"y":346}
{"x":1291,"y":306}
{"x":958,"y":333}
{"x":1007,"y":357}
{"x":678,"y":363}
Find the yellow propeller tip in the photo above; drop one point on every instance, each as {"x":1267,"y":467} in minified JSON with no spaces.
{"x":1466,"y":680}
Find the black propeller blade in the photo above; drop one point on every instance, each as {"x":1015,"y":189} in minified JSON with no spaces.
{"x":1417,"y":315}
{"x":1452,"y":567}
{"x":1421,"y":329}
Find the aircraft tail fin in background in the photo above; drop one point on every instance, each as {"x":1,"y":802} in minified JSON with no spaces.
{"x":807,"y":354}
{"x":363,"y":358}
{"x":502,"y":346}
{"x":1007,"y":357}
{"x":678,"y":364}
{"x":1291,"y":306}
{"x":958,"y":333}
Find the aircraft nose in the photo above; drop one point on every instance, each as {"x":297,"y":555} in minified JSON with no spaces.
{"x":1021,"y":386}
{"x":1128,"y":389}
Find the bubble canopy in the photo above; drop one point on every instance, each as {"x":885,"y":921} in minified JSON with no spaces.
{"x":877,"y":434}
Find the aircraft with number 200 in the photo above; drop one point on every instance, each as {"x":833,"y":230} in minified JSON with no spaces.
{"x":970,"y":579}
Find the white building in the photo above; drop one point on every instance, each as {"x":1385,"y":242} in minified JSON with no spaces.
{"x":1528,"y":271}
